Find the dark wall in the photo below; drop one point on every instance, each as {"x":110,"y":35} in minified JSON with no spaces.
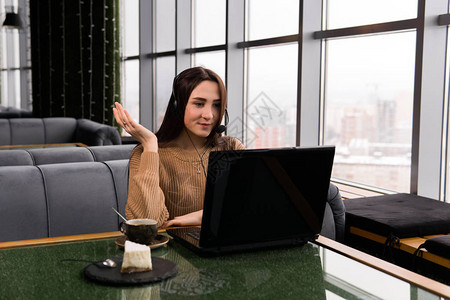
{"x":75,"y":53}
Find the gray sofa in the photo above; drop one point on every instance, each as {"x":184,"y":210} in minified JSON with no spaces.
{"x":29,"y":131}
{"x":62,"y":191}
{"x":65,"y":191}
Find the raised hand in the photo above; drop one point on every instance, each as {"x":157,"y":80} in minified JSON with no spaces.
{"x":136,"y":130}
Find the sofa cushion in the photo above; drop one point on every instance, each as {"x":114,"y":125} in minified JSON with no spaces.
{"x":328,"y":227}
{"x":112,"y":152}
{"x":27,"y":131}
{"x":80,"y":197}
{"x":17,"y":157}
{"x":95,"y":134}
{"x":337,"y":206}
{"x":59,"y":130}
{"x":119,"y":170}
{"x":439,"y":245}
{"x":5,"y":132}
{"x":60,"y":155}
{"x":399,"y":215}
{"x":23,"y":211}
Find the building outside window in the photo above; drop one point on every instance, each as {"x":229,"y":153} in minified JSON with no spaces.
{"x":368,"y":93}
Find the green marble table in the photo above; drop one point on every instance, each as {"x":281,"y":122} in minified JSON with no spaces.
{"x":307,"y":272}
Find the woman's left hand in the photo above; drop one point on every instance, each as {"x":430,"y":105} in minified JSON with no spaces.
{"x":194,"y":218}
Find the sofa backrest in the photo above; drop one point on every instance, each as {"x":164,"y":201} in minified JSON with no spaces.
{"x":23,"y":205}
{"x":119,"y":170}
{"x":41,"y":156}
{"x":95,"y":134}
{"x":46,"y":156}
{"x":114,"y":152}
{"x":61,"y":199}
{"x":79,"y":198}
{"x":29,"y":131}
{"x":15,"y":158}
{"x":59,"y":130}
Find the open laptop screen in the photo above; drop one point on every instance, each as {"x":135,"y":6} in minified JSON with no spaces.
{"x":261,"y":195}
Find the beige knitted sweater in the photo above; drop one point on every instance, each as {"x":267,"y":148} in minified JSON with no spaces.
{"x":169,"y":183}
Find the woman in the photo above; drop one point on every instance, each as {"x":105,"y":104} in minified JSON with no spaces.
{"x":168,"y":169}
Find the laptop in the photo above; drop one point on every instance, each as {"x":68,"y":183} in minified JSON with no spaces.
{"x":261,"y":198}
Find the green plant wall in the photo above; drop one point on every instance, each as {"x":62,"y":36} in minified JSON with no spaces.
{"x":75,"y":53}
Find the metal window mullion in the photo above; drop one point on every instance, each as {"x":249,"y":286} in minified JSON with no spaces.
{"x":309,"y":84}
{"x":146,"y":90}
{"x":367,"y":29}
{"x":446,"y":124}
{"x":10,"y":61}
{"x":429,"y":103}
{"x":205,"y":49}
{"x":24,"y":50}
{"x":183,"y":34}
{"x":235,"y":69}
{"x":444,"y":19}
{"x":269,"y":41}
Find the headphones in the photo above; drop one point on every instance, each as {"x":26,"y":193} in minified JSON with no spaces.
{"x":175,"y":101}
{"x":219,"y":129}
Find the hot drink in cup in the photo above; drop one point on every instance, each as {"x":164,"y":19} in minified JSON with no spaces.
{"x":142,"y":231}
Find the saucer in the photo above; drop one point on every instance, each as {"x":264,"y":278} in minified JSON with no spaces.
{"x":160,"y":240}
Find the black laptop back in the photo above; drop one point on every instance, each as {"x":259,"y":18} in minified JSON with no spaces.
{"x":264,"y":197}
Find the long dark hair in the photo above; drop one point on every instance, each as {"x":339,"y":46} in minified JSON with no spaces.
{"x":183,"y":85}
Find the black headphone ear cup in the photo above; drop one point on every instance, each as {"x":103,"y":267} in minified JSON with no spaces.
{"x":175,"y":102}
{"x":226,"y":117}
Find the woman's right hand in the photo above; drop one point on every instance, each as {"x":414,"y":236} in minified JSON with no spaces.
{"x":140,"y":133}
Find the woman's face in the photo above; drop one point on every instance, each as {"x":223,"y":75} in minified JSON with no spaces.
{"x":203,"y":109}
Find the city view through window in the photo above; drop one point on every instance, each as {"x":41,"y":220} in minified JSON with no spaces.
{"x":368,"y":108}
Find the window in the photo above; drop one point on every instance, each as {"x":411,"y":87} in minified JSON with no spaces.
{"x":369,"y":87}
{"x":148,"y":58}
{"x":165,"y":25}
{"x":267,"y":19}
{"x":272,"y":96}
{"x":209,"y":21}
{"x":15,"y":58}
{"x":372,"y":85}
{"x":130,"y":27}
{"x":131,"y":90}
{"x":130,"y":51}
{"x":165,"y":72}
{"x":348,"y":13}
{"x":214,"y":60}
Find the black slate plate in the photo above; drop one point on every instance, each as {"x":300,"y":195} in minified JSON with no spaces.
{"x":162,"y":269}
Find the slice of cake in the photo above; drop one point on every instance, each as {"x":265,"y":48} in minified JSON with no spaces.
{"x":136,"y":258}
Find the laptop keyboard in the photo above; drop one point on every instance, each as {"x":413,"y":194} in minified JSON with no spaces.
{"x":194,"y":234}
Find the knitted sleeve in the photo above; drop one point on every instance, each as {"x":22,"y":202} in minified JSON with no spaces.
{"x":145,"y":197}
{"x":237,"y":145}
{"x":231,"y":143}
